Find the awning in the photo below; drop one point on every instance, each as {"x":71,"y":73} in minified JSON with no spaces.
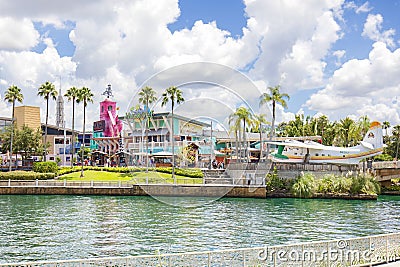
{"x":162,"y":154}
{"x":150,"y":133}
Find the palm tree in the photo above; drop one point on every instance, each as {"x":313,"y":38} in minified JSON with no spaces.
{"x":174,"y":95}
{"x":13,"y":94}
{"x":363,"y":124}
{"x":386,"y":126}
{"x":258,"y":121}
{"x":72,"y":94}
{"x":46,"y":91}
{"x":348,"y":132}
{"x":244,"y":115}
{"x":234,"y":122}
{"x":396,"y":132}
{"x":274,"y":96}
{"x":85,"y":96}
{"x":146,"y":97}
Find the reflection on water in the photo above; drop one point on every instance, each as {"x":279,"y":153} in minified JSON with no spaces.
{"x":68,"y":227}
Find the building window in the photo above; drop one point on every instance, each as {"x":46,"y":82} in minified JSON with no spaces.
{"x":109,"y":108}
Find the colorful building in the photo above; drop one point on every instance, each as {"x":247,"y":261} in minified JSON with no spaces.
{"x":186,"y":133}
{"x":107,"y":130}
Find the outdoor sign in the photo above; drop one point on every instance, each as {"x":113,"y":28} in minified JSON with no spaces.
{"x":99,"y":126}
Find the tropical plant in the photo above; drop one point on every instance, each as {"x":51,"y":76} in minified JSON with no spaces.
{"x":386,"y":126}
{"x":85,"y":96}
{"x":234,"y":126}
{"x":383,"y":157}
{"x":326,"y":184}
{"x":274,"y":183}
{"x":147,"y":96}
{"x":364,"y":185}
{"x":244,"y":115}
{"x":274,"y":96}
{"x":174,"y":95}
{"x":342,"y":184}
{"x":72,"y":95}
{"x":258,"y":121}
{"x":13,"y":94}
{"x":47,"y":91}
{"x":396,"y":132}
{"x":363,"y":124}
{"x":347,"y":132}
{"x":305,"y":186}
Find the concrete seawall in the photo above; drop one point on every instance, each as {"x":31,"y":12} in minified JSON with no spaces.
{"x":142,"y":190}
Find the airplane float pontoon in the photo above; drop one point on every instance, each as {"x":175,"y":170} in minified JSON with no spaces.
{"x":292,"y":151}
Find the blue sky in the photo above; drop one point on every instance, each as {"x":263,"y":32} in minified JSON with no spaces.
{"x":338,"y":58}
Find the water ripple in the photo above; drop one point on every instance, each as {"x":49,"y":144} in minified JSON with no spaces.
{"x":68,"y":227}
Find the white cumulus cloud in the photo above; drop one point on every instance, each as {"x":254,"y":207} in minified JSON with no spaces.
{"x":17,"y":34}
{"x":373,"y":30}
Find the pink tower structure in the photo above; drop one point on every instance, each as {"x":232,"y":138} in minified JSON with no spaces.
{"x":108,"y":114}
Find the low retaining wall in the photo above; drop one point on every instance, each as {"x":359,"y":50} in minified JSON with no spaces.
{"x":142,"y":190}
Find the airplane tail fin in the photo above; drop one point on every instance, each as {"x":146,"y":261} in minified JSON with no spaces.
{"x":374,"y":137}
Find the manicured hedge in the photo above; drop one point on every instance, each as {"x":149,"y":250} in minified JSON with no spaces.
{"x":45,"y":167}
{"x":194,"y":173}
{"x":24,"y":175}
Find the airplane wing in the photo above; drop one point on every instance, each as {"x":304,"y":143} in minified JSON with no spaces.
{"x":298,"y":144}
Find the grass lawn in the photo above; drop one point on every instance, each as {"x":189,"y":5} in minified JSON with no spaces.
{"x":135,"y":177}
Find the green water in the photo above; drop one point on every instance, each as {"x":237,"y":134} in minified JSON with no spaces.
{"x":70,"y":227}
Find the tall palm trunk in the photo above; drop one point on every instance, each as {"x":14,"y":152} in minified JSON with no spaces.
{"x":73,"y":133}
{"x":272,"y":134}
{"x":273,"y":120}
{"x":244,"y":140}
{"x":147,"y":140}
{"x":240,"y":145}
{"x":236,"y":145}
{"x":83,"y":137}
{"x":397,"y":147}
{"x":261,"y":145}
{"x":173,"y":144}
{"x":12,"y":137}
{"x":45,"y":133}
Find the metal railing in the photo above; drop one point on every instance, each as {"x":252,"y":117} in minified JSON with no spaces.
{"x":165,"y":144}
{"x":386,"y":165}
{"x":364,"y":251}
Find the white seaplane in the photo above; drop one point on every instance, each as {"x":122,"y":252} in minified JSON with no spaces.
{"x":292,"y":151}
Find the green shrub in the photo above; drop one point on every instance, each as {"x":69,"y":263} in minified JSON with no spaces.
{"x":45,"y":167}
{"x":364,"y":185}
{"x":305,"y":186}
{"x":24,"y":175}
{"x":342,"y":184}
{"x":192,"y":172}
{"x":393,"y":188}
{"x":383,"y":157}
{"x":326,"y":184}
{"x":274,"y":182}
